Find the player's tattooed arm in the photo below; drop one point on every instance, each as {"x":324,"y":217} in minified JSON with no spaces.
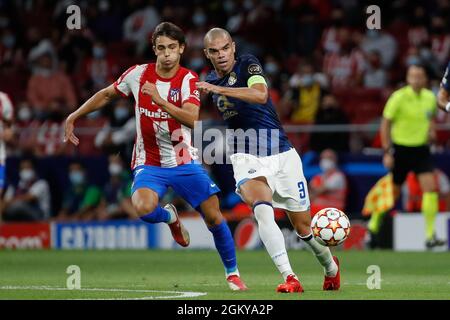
{"x":97,"y":101}
{"x":187,"y":114}
{"x":257,"y":93}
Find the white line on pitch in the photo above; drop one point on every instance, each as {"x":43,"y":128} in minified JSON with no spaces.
{"x":178,"y":294}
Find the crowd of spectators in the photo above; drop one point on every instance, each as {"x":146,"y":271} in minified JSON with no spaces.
{"x":324,"y":66}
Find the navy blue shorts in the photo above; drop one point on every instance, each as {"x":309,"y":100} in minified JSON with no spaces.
{"x":190,"y":181}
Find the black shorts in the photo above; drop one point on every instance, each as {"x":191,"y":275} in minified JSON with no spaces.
{"x":406,"y":159}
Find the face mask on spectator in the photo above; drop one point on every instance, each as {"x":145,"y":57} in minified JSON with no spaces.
{"x":115,"y":169}
{"x":24,"y":114}
{"x":76,"y":177}
{"x":98,"y":52}
{"x":121,"y":113}
{"x":327,"y":165}
{"x":412,"y":60}
{"x":44,"y":72}
{"x":271,"y":68}
{"x":197,"y":63}
{"x":306,"y":80}
{"x":199,"y":19}
{"x":229,"y":6}
{"x":9,"y":41}
{"x":373,"y":33}
{"x":93,"y":115}
{"x":26,"y":175}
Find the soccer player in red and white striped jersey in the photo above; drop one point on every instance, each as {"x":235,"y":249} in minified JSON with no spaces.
{"x":6,"y":133}
{"x":167,"y":106}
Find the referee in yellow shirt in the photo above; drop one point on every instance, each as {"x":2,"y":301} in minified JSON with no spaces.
{"x":406,"y":128}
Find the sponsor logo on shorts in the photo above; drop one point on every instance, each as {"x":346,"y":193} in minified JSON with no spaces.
{"x":251,"y":171}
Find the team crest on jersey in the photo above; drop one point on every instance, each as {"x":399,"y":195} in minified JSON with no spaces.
{"x":254,"y":69}
{"x":232,"y":79}
{"x":174,"y":94}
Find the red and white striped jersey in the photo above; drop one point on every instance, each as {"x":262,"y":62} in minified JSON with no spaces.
{"x":160,"y":139}
{"x":6,"y":114}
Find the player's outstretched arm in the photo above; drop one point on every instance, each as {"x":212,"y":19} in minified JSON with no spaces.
{"x":97,"y":101}
{"x":443,"y":99}
{"x":257,"y":93}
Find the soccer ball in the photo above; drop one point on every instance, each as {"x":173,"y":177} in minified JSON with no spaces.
{"x":330,"y":227}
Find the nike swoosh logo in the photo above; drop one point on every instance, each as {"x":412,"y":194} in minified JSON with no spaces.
{"x":212,"y":185}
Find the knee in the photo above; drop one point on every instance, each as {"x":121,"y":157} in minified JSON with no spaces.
{"x":213,"y":218}
{"x":303,"y":229}
{"x":302,"y":224}
{"x":143,"y":207}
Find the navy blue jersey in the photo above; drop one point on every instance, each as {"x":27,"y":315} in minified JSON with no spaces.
{"x":445,"y":83}
{"x":264,"y":134}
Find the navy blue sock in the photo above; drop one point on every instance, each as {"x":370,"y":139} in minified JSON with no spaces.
{"x":158,"y":215}
{"x":225,"y":246}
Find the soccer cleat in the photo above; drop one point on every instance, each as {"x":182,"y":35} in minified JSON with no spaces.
{"x":179,"y":232}
{"x":235,"y":283}
{"x":291,"y":285}
{"x":333,"y":283}
{"x":434,"y":242}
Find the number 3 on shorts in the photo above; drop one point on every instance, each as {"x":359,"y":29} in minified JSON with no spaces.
{"x":301,"y":190}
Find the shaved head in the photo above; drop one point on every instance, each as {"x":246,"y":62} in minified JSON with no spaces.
{"x":215,"y":33}
{"x":220,"y":50}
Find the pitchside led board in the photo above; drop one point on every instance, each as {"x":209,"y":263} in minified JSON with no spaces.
{"x":123,"y":234}
{"x":409,"y":231}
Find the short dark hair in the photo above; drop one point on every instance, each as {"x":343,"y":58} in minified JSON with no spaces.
{"x":170,"y":30}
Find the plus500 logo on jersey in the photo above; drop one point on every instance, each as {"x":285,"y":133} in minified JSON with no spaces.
{"x":105,"y":235}
{"x":154,"y":114}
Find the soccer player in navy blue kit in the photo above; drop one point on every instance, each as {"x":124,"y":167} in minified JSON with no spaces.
{"x":267,"y":169}
{"x":444,"y":91}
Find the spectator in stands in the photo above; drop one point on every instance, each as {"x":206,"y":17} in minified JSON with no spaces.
{"x":89,"y":128}
{"x":330,"y":113}
{"x":418,"y":33}
{"x":440,"y":39}
{"x":412,"y":193}
{"x":139,"y":25}
{"x":100,"y":68}
{"x":382,"y":41}
{"x":10,"y":52}
{"x":117,"y":136}
{"x":80,"y":199}
{"x":375,"y":75}
{"x":345,"y":67}
{"x":48,"y":85}
{"x":30,"y":199}
{"x":329,"y":188}
{"x":306,"y":90}
{"x":116,"y":196}
{"x":331,"y":36}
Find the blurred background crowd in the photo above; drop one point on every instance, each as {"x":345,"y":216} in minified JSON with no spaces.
{"x":322,"y":63}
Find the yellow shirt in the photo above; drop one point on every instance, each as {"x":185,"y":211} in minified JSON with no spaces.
{"x":410,"y":114}
{"x":308,"y":103}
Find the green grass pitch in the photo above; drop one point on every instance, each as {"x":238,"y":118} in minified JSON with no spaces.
{"x":166,"y":275}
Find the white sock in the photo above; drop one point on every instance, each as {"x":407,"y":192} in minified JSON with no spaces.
{"x":272,"y":237}
{"x":323,"y":255}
